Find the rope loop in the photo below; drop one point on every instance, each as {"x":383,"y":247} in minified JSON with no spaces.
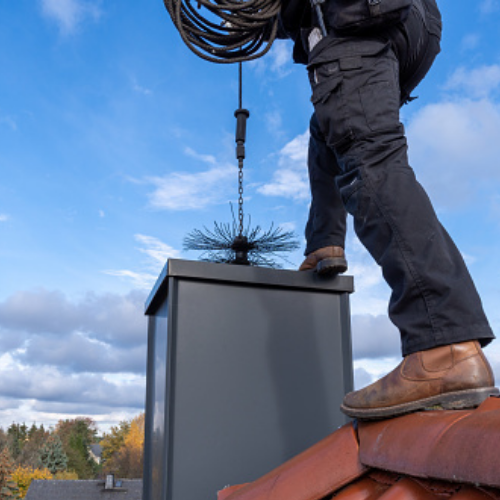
{"x":226,"y":31}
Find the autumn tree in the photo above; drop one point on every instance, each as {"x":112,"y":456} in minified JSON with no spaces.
{"x":8,"y":487}
{"x":123,"y":449}
{"x":114,"y":440}
{"x":24,"y":475}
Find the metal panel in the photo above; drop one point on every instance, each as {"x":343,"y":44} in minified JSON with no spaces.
{"x":220,"y":273}
{"x":254,"y":373}
{"x":157,"y":371}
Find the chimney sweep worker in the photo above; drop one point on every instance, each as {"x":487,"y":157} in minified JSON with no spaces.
{"x":364,"y":59}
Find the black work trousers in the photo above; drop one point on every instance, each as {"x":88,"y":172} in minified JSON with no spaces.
{"x":358,"y":164}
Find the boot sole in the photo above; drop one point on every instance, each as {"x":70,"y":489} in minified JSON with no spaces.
{"x":331,"y":265}
{"x":458,"y":400}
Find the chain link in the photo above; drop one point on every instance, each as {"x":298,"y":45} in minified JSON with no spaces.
{"x":240,"y":192}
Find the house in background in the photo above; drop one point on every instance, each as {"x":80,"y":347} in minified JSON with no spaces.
{"x":125,"y":489}
{"x":95,"y":451}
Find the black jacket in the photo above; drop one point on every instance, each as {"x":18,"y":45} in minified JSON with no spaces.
{"x":295,"y":15}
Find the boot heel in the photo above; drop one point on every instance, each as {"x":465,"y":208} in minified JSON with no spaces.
{"x":331,"y":265}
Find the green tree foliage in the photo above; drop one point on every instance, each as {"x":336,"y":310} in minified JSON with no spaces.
{"x":8,"y":487}
{"x":35,"y":440}
{"x":51,"y":456}
{"x":76,"y":436}
{"x":64,"y":451}
{"x":15,"y":441}
{"x":4,"y":439}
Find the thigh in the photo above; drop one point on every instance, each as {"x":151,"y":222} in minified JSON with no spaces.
{"x":355,"y":90}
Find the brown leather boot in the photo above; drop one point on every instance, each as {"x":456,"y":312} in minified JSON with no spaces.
{"x":450,"y":377}
{"x":326,"y":260}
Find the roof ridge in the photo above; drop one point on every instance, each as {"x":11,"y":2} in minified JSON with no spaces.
{"x":452,"y":445}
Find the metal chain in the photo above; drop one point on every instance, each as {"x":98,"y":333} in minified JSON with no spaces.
{"x":240,"y":159}
{"x":240,"y":192}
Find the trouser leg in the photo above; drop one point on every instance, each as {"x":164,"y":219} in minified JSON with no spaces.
{"x":326,"y":225}
{"x":356,"y":98}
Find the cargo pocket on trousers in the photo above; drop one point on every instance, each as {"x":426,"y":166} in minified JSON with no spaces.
{"x":380,"y":101}
{"x":331,"y":112}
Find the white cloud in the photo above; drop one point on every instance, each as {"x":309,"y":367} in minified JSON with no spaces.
{"x":367,"y":371}
{"x":209,"y":159}
{"x":4,"y":217}
{"x":69,"y":14}
{"x":278,"y":61}
{"x":193,"y":191}
{"x":80,"y":353}
{"x":290,"y":180}
{"x":454,"y":139}
{"x":50,"y":385}
{"x":74,"y":357}
{"x":281,"y":57}
{"x":142,"y":281}
{"x":374,"y":337}
{"x":160,"y":252}
{"x":477,"y":83}
{"x":114,"y":319}
{"x":368,"y":274}
{"x":362,"y":378}
{"x":288,"y":183}
{"x":288,"y":226}
{"x":371,"y":291}
{"x":469,"y":259}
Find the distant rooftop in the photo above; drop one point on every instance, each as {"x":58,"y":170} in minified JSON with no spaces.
{"x":41,"y":489}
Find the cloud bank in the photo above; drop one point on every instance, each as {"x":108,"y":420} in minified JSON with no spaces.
{"x":83,"y":354}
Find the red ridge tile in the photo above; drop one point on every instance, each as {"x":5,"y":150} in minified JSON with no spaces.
{"x":459,"y":446}
{"x":313,"y":474}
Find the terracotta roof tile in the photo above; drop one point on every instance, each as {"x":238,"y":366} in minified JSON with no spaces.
{"x":438,"y":455}
{"x":229,"y":490}
{"x":311,"y":475}
{"x":460,"y":446}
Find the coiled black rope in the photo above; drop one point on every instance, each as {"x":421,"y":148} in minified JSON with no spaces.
{"x":226,"y":31}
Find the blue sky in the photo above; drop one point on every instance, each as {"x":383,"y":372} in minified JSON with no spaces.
{"x":116,"y":140}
